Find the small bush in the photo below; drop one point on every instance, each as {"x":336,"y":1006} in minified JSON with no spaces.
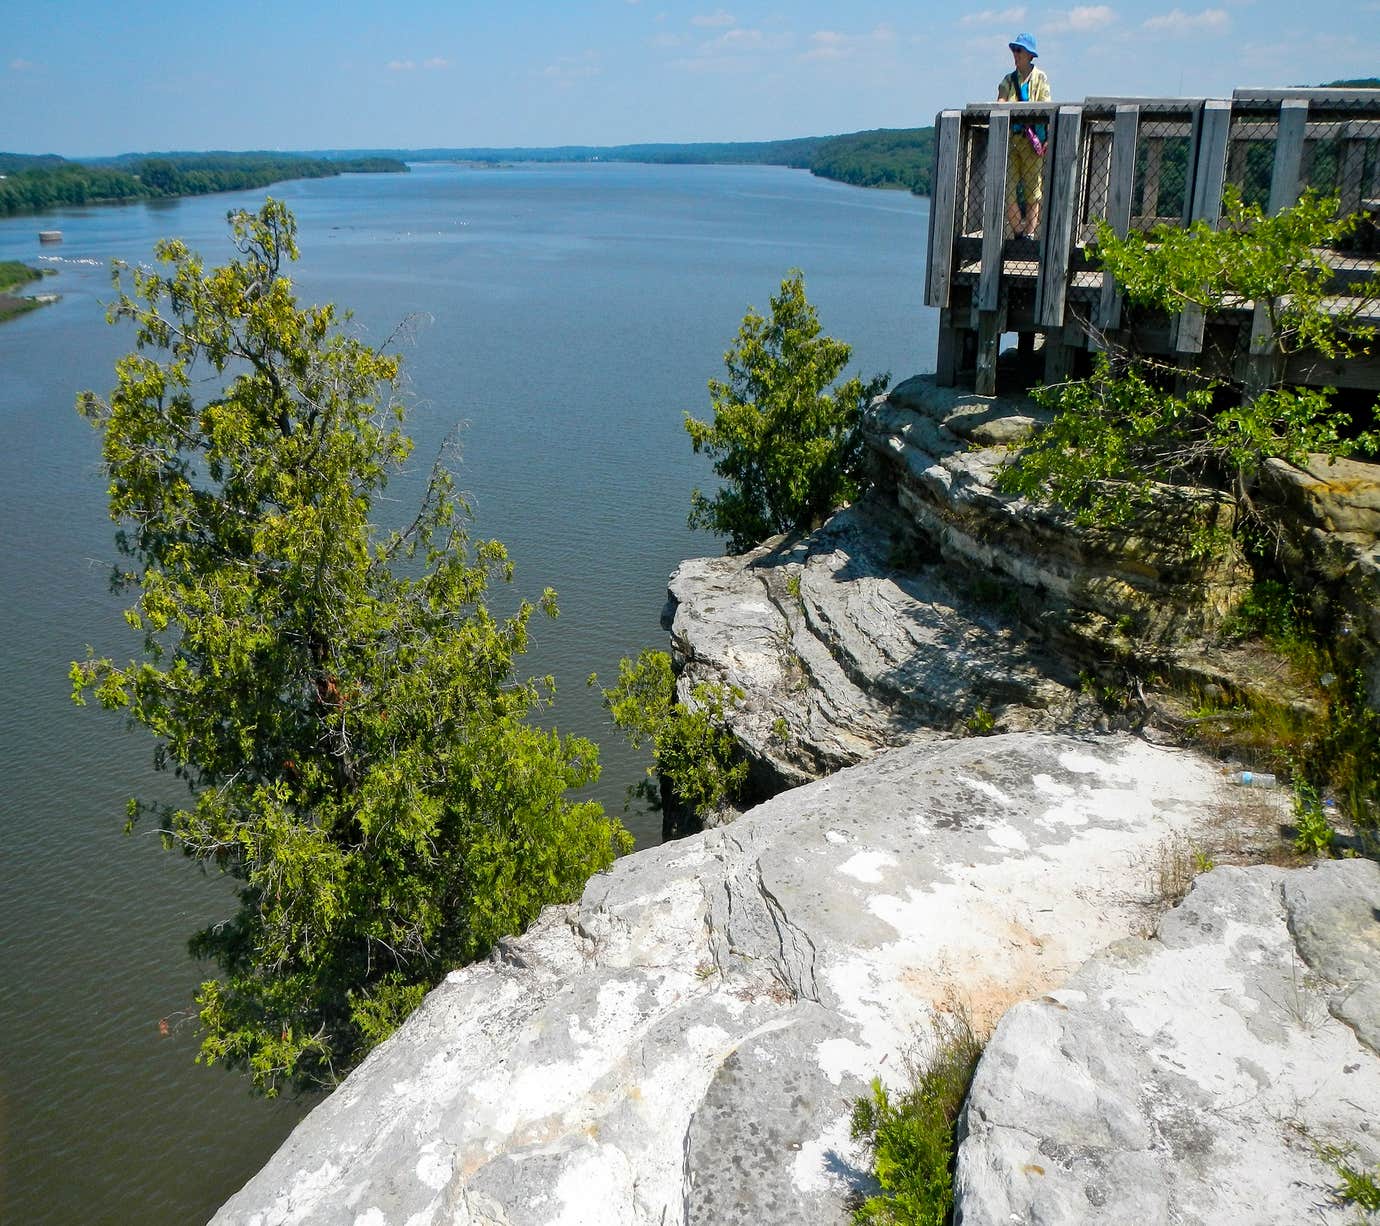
{"x":691,"y":749}
{"x":1313,"y":832}
{"x":912,"y":1134}
{"x":1357,"y":1187}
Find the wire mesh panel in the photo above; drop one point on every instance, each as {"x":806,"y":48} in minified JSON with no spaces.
{"x":1251,"y":158}
{"x":1163,"y":182}
{"x":1096,"y":174}
{"x":972,"y":162}
{"x":1340,"y":158}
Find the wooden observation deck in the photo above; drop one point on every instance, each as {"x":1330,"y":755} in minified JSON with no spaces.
{"x":1138,"y":163}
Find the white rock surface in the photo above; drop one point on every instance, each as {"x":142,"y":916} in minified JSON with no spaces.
{"x":684,"y":1044}
{"x":1192,"y":1077}
{"x":841,"y":655}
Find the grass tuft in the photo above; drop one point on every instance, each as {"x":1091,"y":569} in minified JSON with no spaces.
{"x":912,"y":1133}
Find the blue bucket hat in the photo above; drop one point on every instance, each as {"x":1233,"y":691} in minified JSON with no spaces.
{"x":1024,"y":42}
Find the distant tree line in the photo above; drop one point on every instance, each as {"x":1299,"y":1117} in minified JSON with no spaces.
{"x":35,"y":183}
{"x":887,"y":157}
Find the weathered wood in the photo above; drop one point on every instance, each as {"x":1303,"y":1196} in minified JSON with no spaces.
{"x":1322,"y":97}
{"x":1059,"y":358}
{"x":1314,"y":371}
{"x":950,"y":356}
{"x":993,"y":211}
{"x":990,"y":327}
{"x":943,"y":209}
{"x":1284,"y":182}
{"x":1210,"y":165}
{"x":1051,"y":289}
{"x":1123,"y":183}
{"x":1209,"y":177}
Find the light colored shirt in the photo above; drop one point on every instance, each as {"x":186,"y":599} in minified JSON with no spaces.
{"x":1009,"y":90}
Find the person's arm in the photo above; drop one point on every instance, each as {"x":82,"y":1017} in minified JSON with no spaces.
{"x":1041,"y":91}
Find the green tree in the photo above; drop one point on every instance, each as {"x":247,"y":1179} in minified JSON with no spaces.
{"x":1119,"y":433}
{"x":342,"y":704}
{"x":699,"y":763}
{"x":788,"y":450}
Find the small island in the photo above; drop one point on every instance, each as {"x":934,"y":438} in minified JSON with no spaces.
{"x":13,"y":276}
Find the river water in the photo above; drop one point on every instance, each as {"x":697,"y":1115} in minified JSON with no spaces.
{"x":565,"y":317}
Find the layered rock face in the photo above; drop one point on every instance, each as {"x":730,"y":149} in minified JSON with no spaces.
{"x":938,"y":605}
{"x":1330,"y":532}
{"x":683,"y":1046}
{"x":1198,"y":1076}
{"x":841,"y":655}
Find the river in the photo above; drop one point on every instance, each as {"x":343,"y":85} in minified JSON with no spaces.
{"x":565,"y":317}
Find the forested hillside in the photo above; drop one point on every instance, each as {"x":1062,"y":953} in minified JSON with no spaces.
{"x":32,"y":183}
{"x":886,"y":157}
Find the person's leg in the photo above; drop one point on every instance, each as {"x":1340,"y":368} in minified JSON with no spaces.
{"x":1014,"y":218}
{"x":1034,"y":192}
{"x":1024,"y":173}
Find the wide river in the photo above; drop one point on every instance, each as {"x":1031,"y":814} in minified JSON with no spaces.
{"x":565,"y":318}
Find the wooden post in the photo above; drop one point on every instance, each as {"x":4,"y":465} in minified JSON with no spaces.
{"x":1123,"y":182}
{"x":1059,"y":357}
{"x":1374,"y":193}
{"x":1285,"y":181}
{"x":943,"y":209}
{"x":950,"y":357}
{"x":1051,"y":288}
{"x":1209,"y":177}
{"x":991,"y":324}
{"x":993,"y":210}
{"x":1284,"y":193}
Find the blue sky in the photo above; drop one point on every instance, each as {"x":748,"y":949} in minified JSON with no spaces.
{"x":92,"y":77}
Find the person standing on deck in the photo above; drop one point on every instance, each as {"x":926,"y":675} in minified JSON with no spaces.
{"x":1025,"y":83}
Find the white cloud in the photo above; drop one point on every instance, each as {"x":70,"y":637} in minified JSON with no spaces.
{"x":22,"y":65}
{"x":735,"y":50}
{"x":716,"y":20}
{"x":994,"y":17}
{"x":1176,"y":22}
{"x":741,"y":41}
{"x":574,"y":68}
{"x":831,"y":45}
{"x":410,"y":65}
{"x":1084,"y":17}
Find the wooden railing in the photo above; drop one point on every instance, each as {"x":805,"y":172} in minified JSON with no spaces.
{"x":1135,"y":163}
